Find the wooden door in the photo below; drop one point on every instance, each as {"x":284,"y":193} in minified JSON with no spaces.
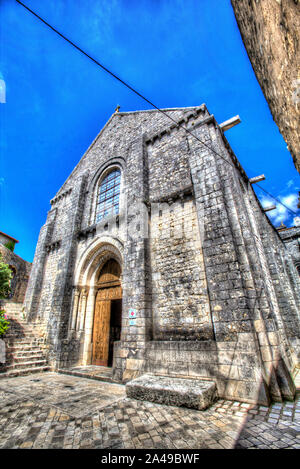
{"x":101,"y":331}
{"x":109,"y":291}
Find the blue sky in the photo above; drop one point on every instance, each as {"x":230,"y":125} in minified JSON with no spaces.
{"x":175,"y":52}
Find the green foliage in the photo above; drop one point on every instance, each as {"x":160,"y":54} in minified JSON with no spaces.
{"x":4,"y":323}
{"x":10,"y":245}
{"x":5,"y":278}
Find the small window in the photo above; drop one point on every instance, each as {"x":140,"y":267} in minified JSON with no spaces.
{"x":108,"y":195}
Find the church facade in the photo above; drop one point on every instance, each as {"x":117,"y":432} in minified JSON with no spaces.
{"x":156,"y":256}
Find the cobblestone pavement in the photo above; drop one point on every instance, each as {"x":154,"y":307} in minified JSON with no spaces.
{"x":51,"y":410}
{"x":73,"y":396}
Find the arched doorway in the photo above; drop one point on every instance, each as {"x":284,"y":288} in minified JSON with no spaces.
{"x":107,"y":314}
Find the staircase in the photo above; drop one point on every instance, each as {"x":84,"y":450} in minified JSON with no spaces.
{"x":25,"y":349}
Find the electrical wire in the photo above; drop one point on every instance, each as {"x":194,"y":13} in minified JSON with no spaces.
{"x":275,"y":198}
{"x":139,"y":94}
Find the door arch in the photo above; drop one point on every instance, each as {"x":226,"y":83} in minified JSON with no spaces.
{"x":107,"y":314}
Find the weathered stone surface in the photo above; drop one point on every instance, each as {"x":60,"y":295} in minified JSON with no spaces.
{"x":270,"y":31}
{"x":191,"y":393}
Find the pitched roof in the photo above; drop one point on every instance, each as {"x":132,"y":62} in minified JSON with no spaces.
{"x":10,"y":237}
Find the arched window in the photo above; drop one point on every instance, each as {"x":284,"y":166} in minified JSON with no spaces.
{"x":108,"y":195}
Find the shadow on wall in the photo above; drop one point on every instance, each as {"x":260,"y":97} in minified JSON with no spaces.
{"x":262,"y":382}
{"x":254,"y":380}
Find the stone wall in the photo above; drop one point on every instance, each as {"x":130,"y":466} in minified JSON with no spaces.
{"x":270,"y":31}
{"x":207,"y":274}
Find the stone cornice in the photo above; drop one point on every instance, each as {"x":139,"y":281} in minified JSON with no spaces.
{"x":83,"y":234}
{"x":53,"y":246}
{"x":181,"y":193}
{"x":167,"y":130}
{"x":60,"y":196}
{"x":291,"y":233}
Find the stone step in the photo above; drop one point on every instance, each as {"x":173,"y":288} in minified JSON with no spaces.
{"x":26,"y":353}
{"x":22,"y":342}
{"x":17,"y":323}
{"x":11,"y":359}
{"x":22,"y":335}
{"x":26,"y":364}
{"x":20,"y":321}
{"x":19,"y":347}
{"x":182,"y":392}
{"x":98,"y":377}
{"x":25,"y":324}
{"x":22,"y":327}
{"x":22,"y":372}
{"x":29,"y":358}
{"x":24,"y":347}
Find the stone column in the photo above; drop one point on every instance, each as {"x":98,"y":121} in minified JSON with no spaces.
{"x":88,"y":329}
{"x":79,"y":311}
{"x":75,"y":308}
{"x":83,"y":308}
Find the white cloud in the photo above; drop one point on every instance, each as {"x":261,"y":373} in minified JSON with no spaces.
{"x":281,"y":213}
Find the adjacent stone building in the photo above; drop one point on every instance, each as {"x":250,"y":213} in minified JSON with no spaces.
{"x":8,"y":241}
{"x":20,"y":274}
{"x":156,"y":256}
{"x":270,"y":31}
{"x":291,"y":238}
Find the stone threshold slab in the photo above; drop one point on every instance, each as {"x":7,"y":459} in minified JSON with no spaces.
{"x":85,"y":372}
{"x":181,"y":392}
